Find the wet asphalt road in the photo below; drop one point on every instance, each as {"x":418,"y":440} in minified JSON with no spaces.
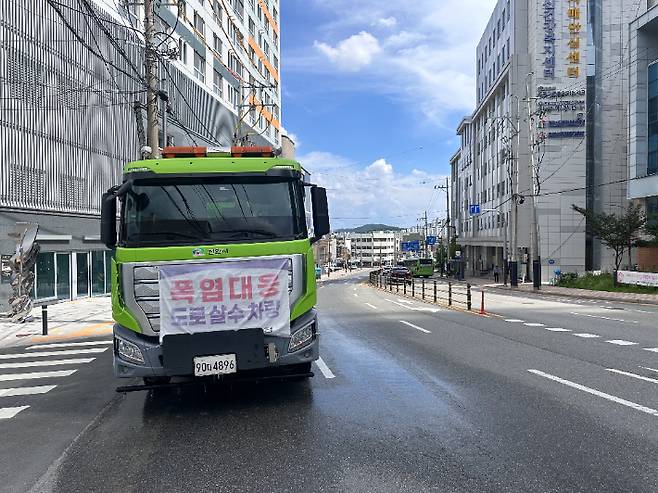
{"x":421,"y":400}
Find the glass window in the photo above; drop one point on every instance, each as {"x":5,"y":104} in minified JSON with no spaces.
{"x":213,"y":212}
{"x":45,"y":281}
{"x":218,"y":84}
{"x":97,"y":273}
{"x":199,"y":66}
{"x":63,"y":276}
{"x":82,"y":274}
{"x":108,"y":272}
{"x":652,"y":162}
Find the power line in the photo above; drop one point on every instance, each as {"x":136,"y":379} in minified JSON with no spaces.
{"x":86,"y":45}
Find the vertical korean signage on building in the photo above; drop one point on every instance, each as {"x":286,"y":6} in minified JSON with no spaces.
{"x":549,"y":38}
{"x":575,"y":28}
{"x":225,"y":296}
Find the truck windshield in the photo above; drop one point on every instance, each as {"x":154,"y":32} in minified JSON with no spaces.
{"x":212,"y":212}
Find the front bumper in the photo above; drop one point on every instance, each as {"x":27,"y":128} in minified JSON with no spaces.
{"x":154,"y":362}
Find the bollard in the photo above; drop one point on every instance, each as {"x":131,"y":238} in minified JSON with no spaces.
{"x":404,"y":288}
{"x":482,"y":312}
{"x":397,"y":287}
{"x":413,"y":288}
{"x":469,"y":305}
{"x":423,"y":288}
{"x":44,"y":320}
{"x":434,"y":291}
{"x":449,"y":294}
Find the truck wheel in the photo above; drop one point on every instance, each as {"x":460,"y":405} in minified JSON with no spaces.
{"x":156,"y":380}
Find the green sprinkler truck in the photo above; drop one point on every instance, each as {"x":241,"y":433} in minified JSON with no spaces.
{"x":213,"y":272}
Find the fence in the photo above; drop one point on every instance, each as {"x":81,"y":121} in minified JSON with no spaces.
{"x":449,"y":294}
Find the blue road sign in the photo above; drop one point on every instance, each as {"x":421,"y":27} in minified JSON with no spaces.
{"x":551,"y":262}
{"x":474,"y":209}
{"x":410,"y":246}
{"x":430,"y":240}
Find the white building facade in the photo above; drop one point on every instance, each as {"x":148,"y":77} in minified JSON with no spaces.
{"x":550,"y":90}
{"x":374,"y":249}
{"x":72,"y":97}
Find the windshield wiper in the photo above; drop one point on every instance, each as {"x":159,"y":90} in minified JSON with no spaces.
{"x":246,"y":232}
{"x":176,"y":234}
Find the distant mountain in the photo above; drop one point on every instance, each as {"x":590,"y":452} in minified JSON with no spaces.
{"x":369,"y":228}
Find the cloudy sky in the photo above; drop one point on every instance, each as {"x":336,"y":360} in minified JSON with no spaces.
{"x":372,"y":94}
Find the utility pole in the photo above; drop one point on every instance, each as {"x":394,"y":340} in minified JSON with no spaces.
{"x":534,"y":226}
{"x":152,"y":133}
{"x":514,"y":184}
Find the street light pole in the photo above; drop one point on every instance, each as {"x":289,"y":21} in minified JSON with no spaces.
{"x":534,"y":227}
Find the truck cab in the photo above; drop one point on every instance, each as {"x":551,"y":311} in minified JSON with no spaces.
{"x":213,"y":272}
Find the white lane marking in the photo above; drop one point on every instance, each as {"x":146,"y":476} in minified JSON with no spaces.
{"x":597,"y":393}
{"x":585,"y":335}
{"x":415,"y":327}
{"x":515,"y":321}
{"x":534,"y":324}
{"x":632,"y":375}
{"x":10,"y":412}
{"x":59,"y":362}
{"x":354,"y":288}
{"x":356,"y":295}
{"x":621,"y":342}
{"x":324,"y":369}
{"x":372,"y":306}
{"x":642,"y":311}
{"x":36,"y":374}
{"x":406,"y":302}
{"x":650,"y":369}
{"x":557,"y":329}
{"x":69,"y":344}
{"x":415,"y":308}
{"x":652,"y":349}
{"x":43,"y":354}
{"x":40,"y":389}
{"x":605,"y":318}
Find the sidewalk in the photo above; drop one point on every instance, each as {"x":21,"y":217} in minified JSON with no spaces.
{"x":340,"y":274}
{"x":88,"y":317}
{"x":650,"y":299}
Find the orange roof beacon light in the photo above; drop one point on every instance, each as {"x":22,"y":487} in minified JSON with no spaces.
{"x":252,"y":151}
{"x":184,"y":151}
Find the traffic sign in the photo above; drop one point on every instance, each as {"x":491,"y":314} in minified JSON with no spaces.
{"x":430,"y":240}
{"x":474,"y":209}
{"x":410,"y":246}
{"x":551,"y":262}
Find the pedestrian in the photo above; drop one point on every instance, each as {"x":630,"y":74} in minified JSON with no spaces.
{"x":496,"y":273}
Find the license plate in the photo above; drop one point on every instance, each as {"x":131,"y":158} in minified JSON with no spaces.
{"x":215,"y":365}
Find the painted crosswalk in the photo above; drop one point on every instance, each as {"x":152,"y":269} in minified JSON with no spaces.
{"x":21,"y":370}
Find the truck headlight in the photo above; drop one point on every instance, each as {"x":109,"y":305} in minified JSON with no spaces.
{"x":129,"y":351}
{"x":302,"y":338}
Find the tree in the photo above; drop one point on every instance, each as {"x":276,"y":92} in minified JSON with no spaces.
{"x":441,"y":256}
{"x":617,"y":232}
{"x":651,"y":228}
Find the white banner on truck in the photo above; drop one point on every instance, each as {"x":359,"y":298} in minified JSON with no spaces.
{"x":637,"y":278}
{"x":232,"y":295}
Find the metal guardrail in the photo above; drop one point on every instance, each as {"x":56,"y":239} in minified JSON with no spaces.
{"x":449,"y":293}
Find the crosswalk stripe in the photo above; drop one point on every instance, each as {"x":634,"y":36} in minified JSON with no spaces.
{"x":40,"y":389}
{"x":44,"y":354}
{"x":10,"y":412}
{"x":37,"y":374}
{"x":59,"y":362}
{"x":68,"y":344}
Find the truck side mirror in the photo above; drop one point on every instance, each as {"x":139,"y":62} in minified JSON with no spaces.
{"x":321,"y":225}
{"x":109,"y":220}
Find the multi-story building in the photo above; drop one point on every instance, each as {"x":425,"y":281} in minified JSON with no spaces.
{"x":643,"y":110}
{"x":374,"y":249}
{"x":551,"y":87}
{"x":72,"y":97}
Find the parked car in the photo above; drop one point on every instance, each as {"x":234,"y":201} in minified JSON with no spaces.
{"x":401,"y":275}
